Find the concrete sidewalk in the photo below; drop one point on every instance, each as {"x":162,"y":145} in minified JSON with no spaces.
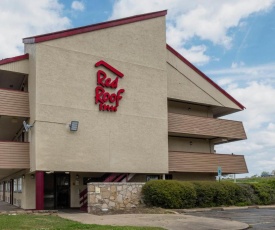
{"x":8,"y":207}
{"x":167,"y":221}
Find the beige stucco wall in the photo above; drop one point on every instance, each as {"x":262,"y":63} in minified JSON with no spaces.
{"x":31,"y":49}
{"x":134,"y":139}
{"x":183,"y":144}
{"x":187,"y":85}
{"x":28,"y":192}
{"x":189,"y":109}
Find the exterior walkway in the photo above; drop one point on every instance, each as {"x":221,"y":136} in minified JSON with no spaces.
{"x":167,"y":221}
{"x":4,"y":206}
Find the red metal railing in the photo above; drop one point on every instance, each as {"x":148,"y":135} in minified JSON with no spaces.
{"x":115,"y":177}
{"x":83,"y":200}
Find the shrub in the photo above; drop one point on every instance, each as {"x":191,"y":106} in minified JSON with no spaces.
{"x":205,"y":194}
{"x":169,"y":194}
{"x":271,"y":182}
{"x":247,"y":195}
{"x":176,"y":194}
{"x":188,"y":195}
{"x":210,"y":194}
{"x":233,"y":193}
{"x":265,"y":193}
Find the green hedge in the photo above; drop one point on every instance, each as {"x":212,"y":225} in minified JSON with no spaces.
{"x":177,"y":194}
{"x":169,"y":194}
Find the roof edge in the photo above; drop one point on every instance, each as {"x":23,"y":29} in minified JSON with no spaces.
{"x":93,"y":27}
{"x":14,"y":59}
{"x":177,"y":54}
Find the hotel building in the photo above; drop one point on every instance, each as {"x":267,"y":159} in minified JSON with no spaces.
{"x":108,"y":102}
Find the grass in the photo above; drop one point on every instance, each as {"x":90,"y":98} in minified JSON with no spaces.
{"x":40,"y":222}
{"x":253,"y":180}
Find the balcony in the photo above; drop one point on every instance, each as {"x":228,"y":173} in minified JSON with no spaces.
{"x":14,"y":103}
{"x":206,"y":163}
{"x":14,"y":155}
{"x":219,"y":130}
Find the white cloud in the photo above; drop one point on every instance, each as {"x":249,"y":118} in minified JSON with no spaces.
{"x":234,"y":65}
{"x":265,"y":71}
{"x":77,"y":5}
{"x":271,"y":127}
{"x":19,"y":20}
{"x":256,"y":90}
{"x":195,"y":54}
{"x":208,"y":20}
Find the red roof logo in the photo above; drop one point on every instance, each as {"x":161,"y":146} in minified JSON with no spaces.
{"x":107,"y":101}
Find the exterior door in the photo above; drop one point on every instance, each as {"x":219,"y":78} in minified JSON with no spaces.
{"x":49,"y":191}
{"x":62,"y":190}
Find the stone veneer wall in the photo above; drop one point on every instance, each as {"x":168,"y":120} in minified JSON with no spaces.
{"x":113,"y":196}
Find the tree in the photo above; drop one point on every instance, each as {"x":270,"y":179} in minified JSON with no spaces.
{"x":264,"y":174}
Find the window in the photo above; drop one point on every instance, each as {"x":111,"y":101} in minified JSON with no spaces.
{"x":15,"y":185}
{"x":7,"y":187}
{"x":19,"y":184}
{"x":152,"y":177}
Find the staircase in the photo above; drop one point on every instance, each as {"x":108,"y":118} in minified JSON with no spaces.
{"x":116,"y":177}
{"x":83,"y":200}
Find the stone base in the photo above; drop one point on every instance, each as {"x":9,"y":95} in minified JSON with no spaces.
{"x":113,"y":196}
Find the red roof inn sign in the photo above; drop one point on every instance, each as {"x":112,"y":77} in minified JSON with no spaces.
{"x":107,"y":101}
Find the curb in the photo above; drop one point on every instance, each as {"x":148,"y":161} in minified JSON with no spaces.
{"x":37,"y":212}
{"x":223,"y":208}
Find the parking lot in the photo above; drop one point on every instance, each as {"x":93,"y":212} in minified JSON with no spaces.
{"x":256,"y":218}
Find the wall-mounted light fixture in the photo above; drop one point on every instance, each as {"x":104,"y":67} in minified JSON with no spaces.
{"x":74,"y":125}
{"x":23,"y":176}
{"x":27,"y":127}
{"x":32,"y":176}
{"x":49,"y":172}
{"x":67,"y":172}
{"x":77,"y":176}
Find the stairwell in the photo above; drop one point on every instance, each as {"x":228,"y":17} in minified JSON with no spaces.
{"x":112,"y":177}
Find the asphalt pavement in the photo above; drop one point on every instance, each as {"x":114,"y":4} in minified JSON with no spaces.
{"x":256,"y":218}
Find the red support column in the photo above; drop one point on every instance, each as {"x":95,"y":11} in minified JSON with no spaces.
{"x":39,"y":187}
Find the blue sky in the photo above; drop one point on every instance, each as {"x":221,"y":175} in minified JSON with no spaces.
{"x":232,"y":41}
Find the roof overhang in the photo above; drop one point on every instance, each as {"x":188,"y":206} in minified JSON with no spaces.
{"x":14,"y":59}
{"x":17,"y":64}
{"x":178,"y":55}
